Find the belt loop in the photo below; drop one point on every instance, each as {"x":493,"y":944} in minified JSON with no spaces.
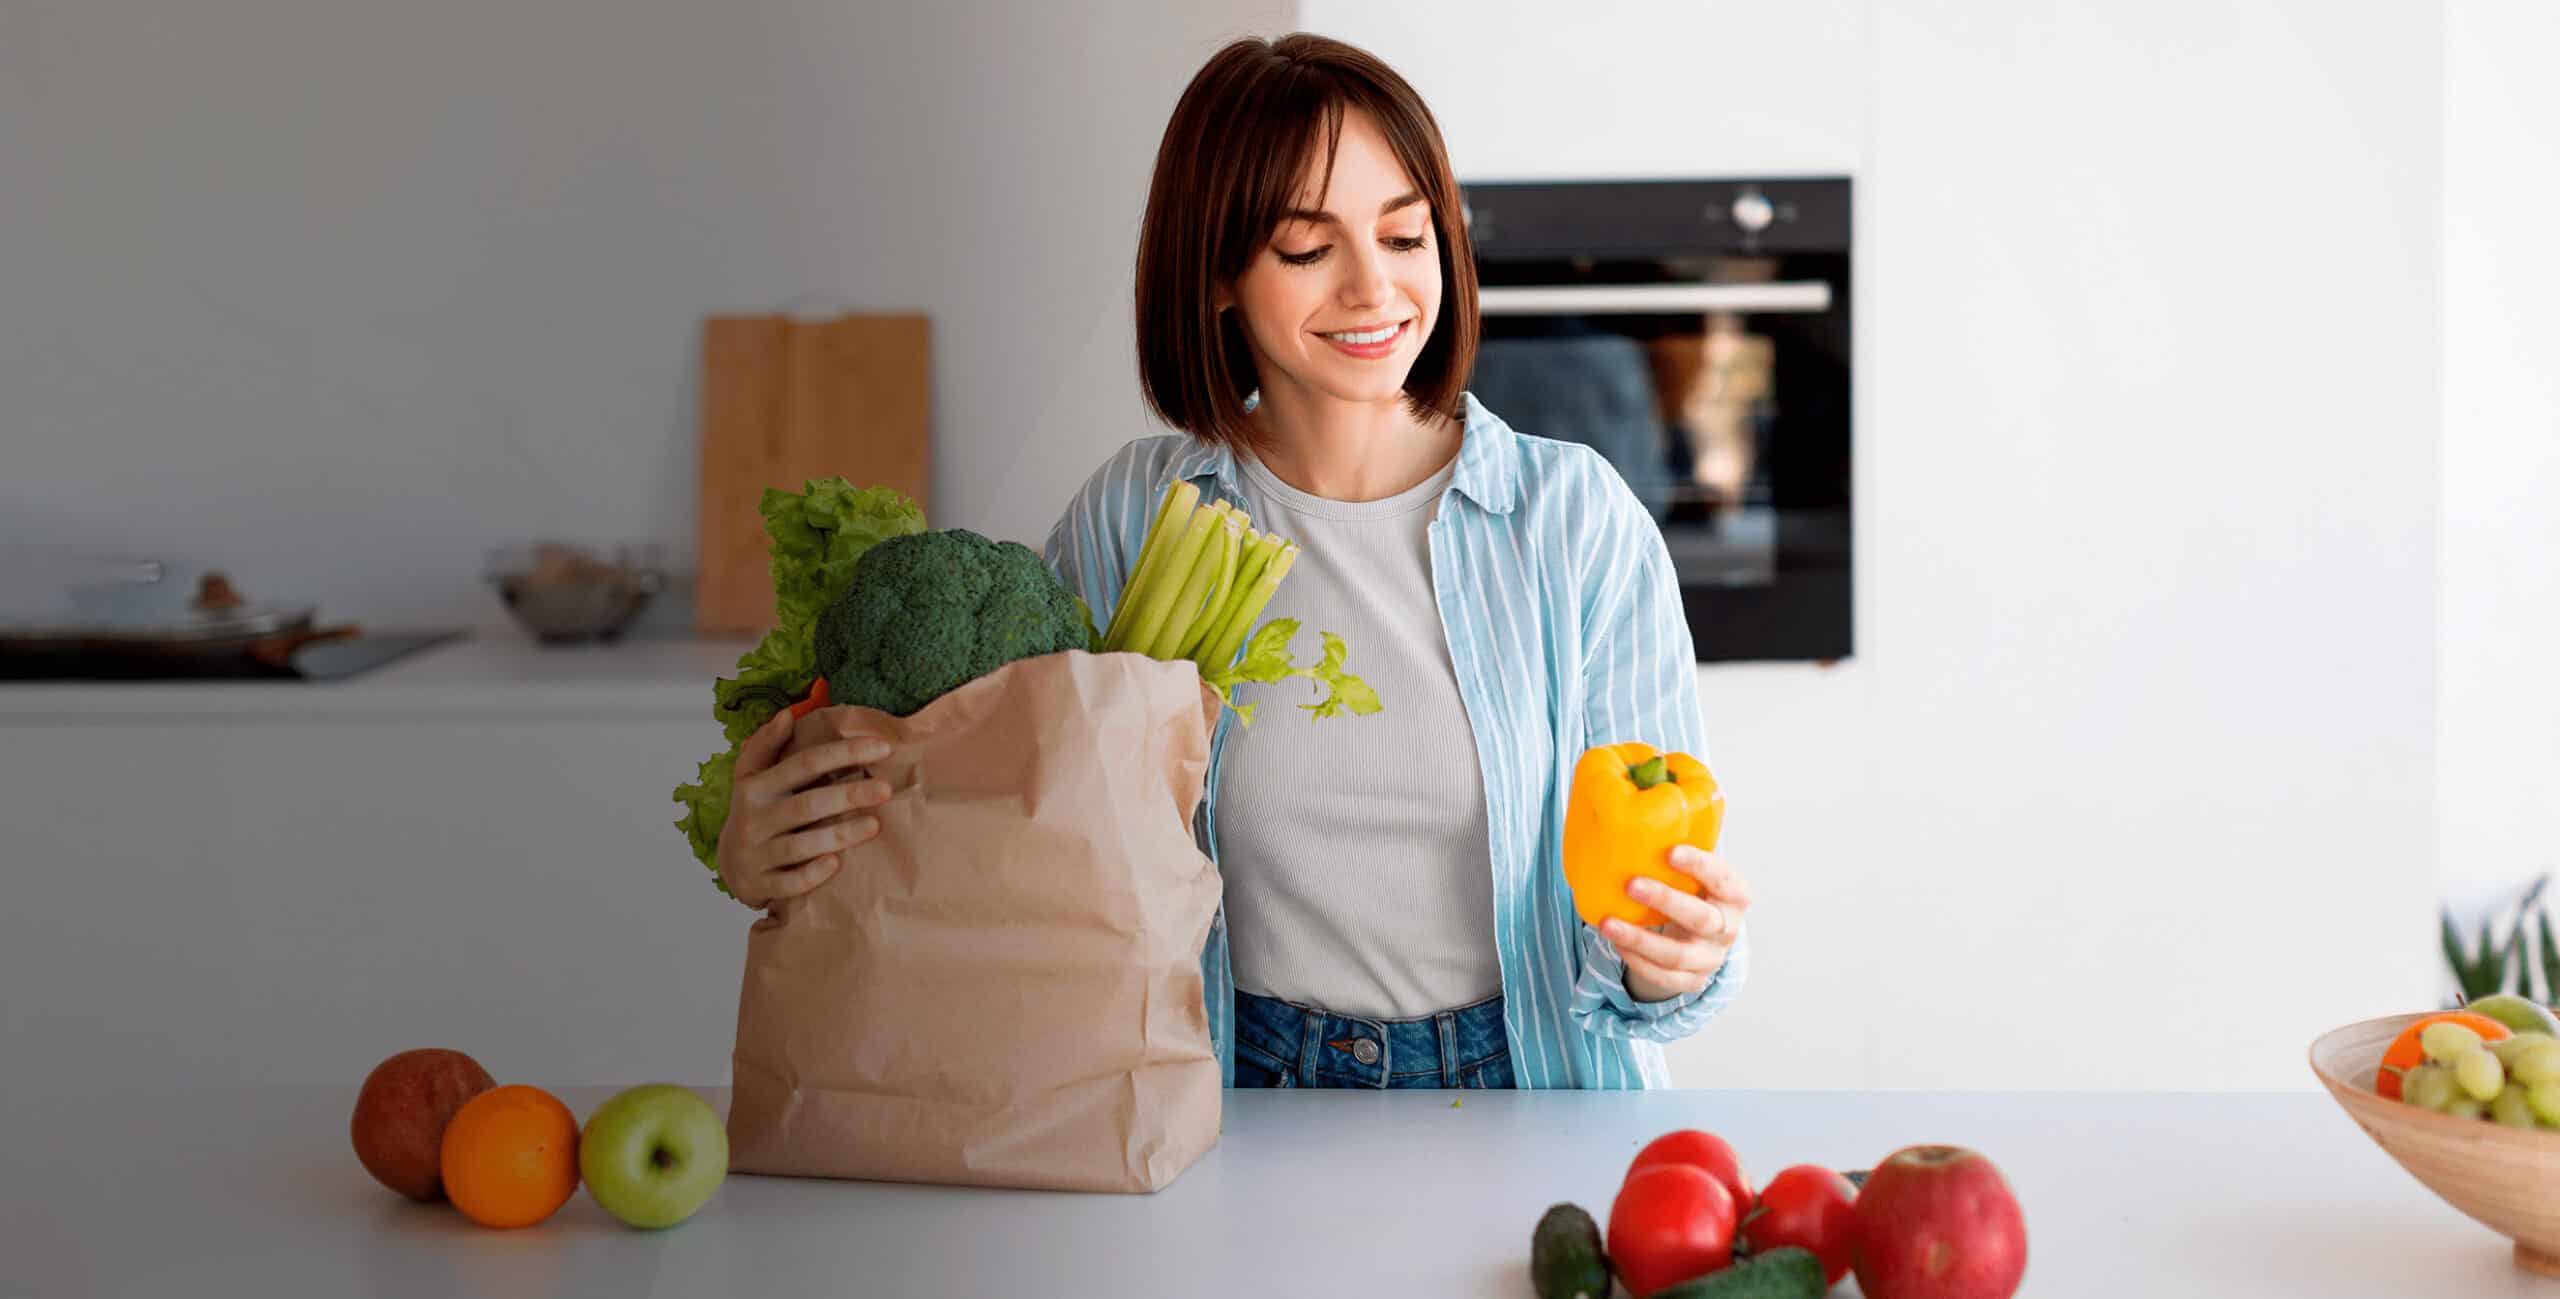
{"x":1310,"y":1041}
{"x":1447,"y":1022}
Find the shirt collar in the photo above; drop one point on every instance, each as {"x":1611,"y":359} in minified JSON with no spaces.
{"x":1488,"y":471}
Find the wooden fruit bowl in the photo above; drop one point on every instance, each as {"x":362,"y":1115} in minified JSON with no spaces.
{"x":2505,"y":1179}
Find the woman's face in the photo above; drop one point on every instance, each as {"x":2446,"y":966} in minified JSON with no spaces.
{"x":1360,"y":260}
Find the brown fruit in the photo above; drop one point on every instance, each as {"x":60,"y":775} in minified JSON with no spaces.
{"x":401,"y":1113}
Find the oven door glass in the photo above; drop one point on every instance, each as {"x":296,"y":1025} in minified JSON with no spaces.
{"x":1717,"y":383}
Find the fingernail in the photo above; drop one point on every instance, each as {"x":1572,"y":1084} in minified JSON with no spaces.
{"x":1642,"y":888}
{"x":872,"y":751}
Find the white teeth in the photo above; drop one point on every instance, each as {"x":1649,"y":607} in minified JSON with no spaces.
{"x":1378,"y":336}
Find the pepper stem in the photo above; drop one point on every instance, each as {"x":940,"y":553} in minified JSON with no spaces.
{"x":1650,"y":772}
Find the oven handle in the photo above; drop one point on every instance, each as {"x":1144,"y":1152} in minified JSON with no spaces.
{"x":1651,"y":299}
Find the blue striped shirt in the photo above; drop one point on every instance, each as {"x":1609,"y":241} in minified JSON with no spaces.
{"x":1566,"y":630}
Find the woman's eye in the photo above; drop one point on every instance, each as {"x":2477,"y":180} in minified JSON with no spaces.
{"x":1314,"y":255}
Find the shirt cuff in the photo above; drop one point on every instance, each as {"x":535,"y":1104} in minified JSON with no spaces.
{"x":1614,"y":1012}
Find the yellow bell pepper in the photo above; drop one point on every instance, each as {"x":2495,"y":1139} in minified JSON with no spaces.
{"x":1630,"y":805}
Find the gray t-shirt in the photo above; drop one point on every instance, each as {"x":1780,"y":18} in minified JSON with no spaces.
{"x":1358,"y":875}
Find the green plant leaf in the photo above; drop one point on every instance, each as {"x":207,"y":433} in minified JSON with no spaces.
{"x":2536,"y":960}
{"x":706,"y":804}
{"x":2512,"y":957}
{"x":2478,"y":967}
{"x":1266,"y":659}
{"x":1334,"y":653}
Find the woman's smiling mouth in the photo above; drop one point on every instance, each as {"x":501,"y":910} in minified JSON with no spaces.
{"x":1369,"y":343}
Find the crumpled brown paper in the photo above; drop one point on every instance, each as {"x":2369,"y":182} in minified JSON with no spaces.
{"x":1002,"y":987}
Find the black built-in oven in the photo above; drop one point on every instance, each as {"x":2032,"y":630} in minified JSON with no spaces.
{"x":1696,"y":333}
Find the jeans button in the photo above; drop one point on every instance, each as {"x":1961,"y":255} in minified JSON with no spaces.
{"x":1365,"y":1051}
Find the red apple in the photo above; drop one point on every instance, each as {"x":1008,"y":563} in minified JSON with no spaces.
{"x":1938,"y":1222}
{"x":401,"y":1111}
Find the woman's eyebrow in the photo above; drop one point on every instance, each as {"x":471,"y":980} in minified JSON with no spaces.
{"x":1321,"y":218}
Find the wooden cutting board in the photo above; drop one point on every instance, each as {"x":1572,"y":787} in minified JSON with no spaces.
{"x":785,"y":400}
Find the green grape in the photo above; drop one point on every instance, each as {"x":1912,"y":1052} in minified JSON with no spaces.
{"x":2479,"y":1074}
{"x":2463,"y":1107}
{"x":2447,"y":1041}
{"x":2429,"y":1087}
{"x":2544,"y":1097}
{"x":2538,"y":1061}
{"x":2508,"y":1049}
{"x":2509,"y":1108}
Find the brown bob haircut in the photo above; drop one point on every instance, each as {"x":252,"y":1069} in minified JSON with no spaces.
{"x":1244,"y":131}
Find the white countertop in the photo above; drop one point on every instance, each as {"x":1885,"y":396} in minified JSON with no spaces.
{"x":1395,"y":1194}
{"x":501,"y":673}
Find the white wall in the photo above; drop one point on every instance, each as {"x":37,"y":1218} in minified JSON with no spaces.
{"x":2131,"y":781}
{"x":2500,"y":695}
{"x":989,"y":165}
{"x":338,"y":294}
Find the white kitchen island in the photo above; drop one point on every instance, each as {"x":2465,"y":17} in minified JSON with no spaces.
{"x":255,"y":1192}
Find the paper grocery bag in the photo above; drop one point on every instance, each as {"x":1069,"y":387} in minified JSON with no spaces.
{"x":1002,"y":987}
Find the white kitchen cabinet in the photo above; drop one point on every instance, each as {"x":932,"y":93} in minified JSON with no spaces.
{"x":228,"y":883}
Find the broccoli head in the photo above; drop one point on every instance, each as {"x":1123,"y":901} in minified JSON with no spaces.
{"x":928,"y":612}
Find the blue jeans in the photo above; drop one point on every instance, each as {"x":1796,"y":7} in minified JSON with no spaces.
{"x":1283,"y":1044}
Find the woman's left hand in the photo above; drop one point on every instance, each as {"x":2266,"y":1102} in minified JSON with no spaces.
{"x":1679,"y":956}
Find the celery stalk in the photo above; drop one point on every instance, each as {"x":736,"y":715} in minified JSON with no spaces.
{"x":1259,"y":549}
{"x":1230,"y":639}
{"x":1219,"y":591}
{"x":1154,"y":603}
{"x":1186,"y":602}
{"x":1179,"y":499}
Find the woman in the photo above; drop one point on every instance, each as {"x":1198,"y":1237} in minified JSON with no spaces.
{"x":1395,"y":915}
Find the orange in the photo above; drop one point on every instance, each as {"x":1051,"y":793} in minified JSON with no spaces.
{"x":510,"y":1156}
{"x":2405,"y":1052}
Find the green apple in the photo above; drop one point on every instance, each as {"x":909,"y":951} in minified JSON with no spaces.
{"x":653,"y":1154}
{"x":2521,"y":1014}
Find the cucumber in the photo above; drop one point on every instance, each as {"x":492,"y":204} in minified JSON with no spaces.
{"x":1565,"y":1259}
{"x":1786,"y":1272}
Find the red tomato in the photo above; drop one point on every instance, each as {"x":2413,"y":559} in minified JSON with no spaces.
{"x":1808,"y":1206}
{"x":1670,"y":1223}
{"x":1707,"y":1151}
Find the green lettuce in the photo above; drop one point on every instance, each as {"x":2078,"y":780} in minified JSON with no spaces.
{"x":817,"y":535}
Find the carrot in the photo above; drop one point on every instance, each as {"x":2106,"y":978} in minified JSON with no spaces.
{"x":817,"y":699}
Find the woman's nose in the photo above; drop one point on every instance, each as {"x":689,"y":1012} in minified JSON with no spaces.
{"x":1365,"y":280}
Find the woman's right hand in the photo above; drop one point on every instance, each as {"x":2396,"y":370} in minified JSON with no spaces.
{"x":790,"y":821}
